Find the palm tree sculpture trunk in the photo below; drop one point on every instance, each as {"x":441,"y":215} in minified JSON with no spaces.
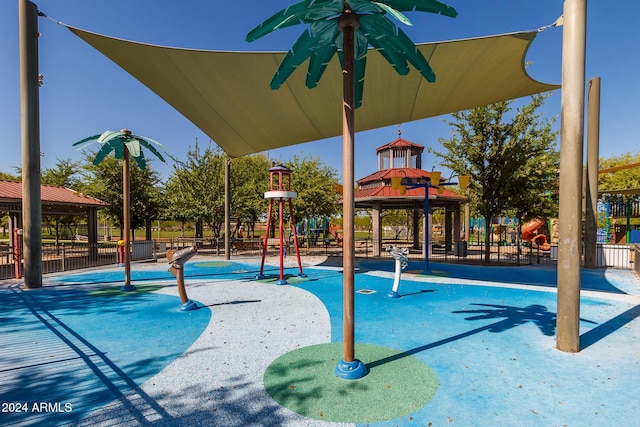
{"x":126,"y":219}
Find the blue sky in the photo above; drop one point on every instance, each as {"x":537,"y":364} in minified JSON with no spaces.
{"x":84,"y":93}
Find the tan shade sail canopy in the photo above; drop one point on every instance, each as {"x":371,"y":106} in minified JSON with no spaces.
{"x":227,"y":94}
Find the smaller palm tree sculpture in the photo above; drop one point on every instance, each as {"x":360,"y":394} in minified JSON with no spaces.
{"x":124,"y":144}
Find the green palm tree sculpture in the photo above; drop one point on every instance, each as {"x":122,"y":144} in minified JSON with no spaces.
{"x":124,"y":145}
{"x":349,"y":27}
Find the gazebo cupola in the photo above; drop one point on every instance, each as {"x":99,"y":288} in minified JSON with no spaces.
{"x":400,"y":154}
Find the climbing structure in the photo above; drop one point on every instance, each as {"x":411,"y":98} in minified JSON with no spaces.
{"x":280,"y":190}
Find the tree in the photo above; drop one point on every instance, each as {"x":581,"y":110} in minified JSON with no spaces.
{"x":624,"y":172}
{"x":4,"y":218}
{"x":9,"y":177}
{"x":315,"y":184}
{"x":619,"y":173}
{"x":349,"y":27}
{"x":195,"y":189}
{"x":123,"y":144}
{"x":249,"y":182}
{"x":64,"y":174}
{"x":104,"y":181}
{"x":512,"y":162}
{"x":399,"y":220}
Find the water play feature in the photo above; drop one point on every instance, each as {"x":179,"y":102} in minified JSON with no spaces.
{"x":400,"y":255}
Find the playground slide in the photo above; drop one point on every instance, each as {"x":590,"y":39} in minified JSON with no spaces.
{"x":530,"y":234}
{"x":336,"y":235}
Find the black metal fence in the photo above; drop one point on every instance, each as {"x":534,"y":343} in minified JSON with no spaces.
{"x":64,"y":257}
{"x":75,"y":256}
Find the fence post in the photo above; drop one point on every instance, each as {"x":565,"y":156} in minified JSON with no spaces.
{"x":63,"y":261}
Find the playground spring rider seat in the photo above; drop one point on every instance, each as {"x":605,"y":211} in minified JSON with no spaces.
{"x":400,"y":255}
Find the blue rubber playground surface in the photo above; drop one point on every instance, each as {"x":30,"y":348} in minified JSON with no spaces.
{"x":79,"y":347}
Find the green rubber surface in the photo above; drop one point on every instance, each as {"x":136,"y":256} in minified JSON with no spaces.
{"x":304,"y":381}
{"x":114,"y":291}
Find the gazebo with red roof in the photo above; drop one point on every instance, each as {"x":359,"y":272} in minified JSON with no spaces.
{"x":56,"y":201}
{"x":402,"y":158}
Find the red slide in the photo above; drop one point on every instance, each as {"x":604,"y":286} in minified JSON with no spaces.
{"x":530,"y":234}
{"x":336,"y":235}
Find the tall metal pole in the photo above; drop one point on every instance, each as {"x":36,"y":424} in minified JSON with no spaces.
{"x":591,"y":193}
{"x":227,"y":208}
{"x":571,"y":141}
{"x":349,"y":367}
{"x":30,"y":124}
{"x":427,"y":229}
{"x":467,"y":222}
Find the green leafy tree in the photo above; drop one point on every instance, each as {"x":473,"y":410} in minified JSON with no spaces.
{"x":348,"y":27}
{"x":195,"y":188}
{"x":66,"y":173}
{"x":104,"y":181}
{"x":249,"y":182}
{"x":619,"y":173}
{"x":315,"y":184}
{"x":512,"y":161}
{"x":399,"y":220}
{"x":9,"y":177}
{"x":4,"y":218}
{"x":624,"y":174}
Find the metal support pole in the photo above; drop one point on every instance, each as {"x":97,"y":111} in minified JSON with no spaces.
{"x":467,"y":222}
{"x":591,"y":193}
{"x":427,"y":230}
{"x":30,"y":123}
{"x":571,"y":141}
{"x":227,"y":209}
{"x":282,"y":248}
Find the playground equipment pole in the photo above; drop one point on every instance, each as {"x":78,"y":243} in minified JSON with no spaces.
{"x":30,"y":123}
{"x":427,"y":223}
{"x":591,"y":191}
{"x":571,"y":140}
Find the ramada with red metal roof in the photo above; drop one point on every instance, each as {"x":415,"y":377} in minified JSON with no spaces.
{"x":55,"y":200}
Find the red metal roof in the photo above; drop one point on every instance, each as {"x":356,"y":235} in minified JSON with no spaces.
{"x":11,"y":191}
{"x":386,"y":174}
{"x":400,"y":143}
{"x":386,"y":191}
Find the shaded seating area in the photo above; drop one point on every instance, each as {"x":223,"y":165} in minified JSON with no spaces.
{"x":56,"y":201}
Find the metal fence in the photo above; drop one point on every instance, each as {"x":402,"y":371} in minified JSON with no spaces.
{"x":75,"y":256}
{"x":65,"y":257}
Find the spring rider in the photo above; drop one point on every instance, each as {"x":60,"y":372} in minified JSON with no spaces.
{"x":400,"y":255}
{"x":177,"y":259}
